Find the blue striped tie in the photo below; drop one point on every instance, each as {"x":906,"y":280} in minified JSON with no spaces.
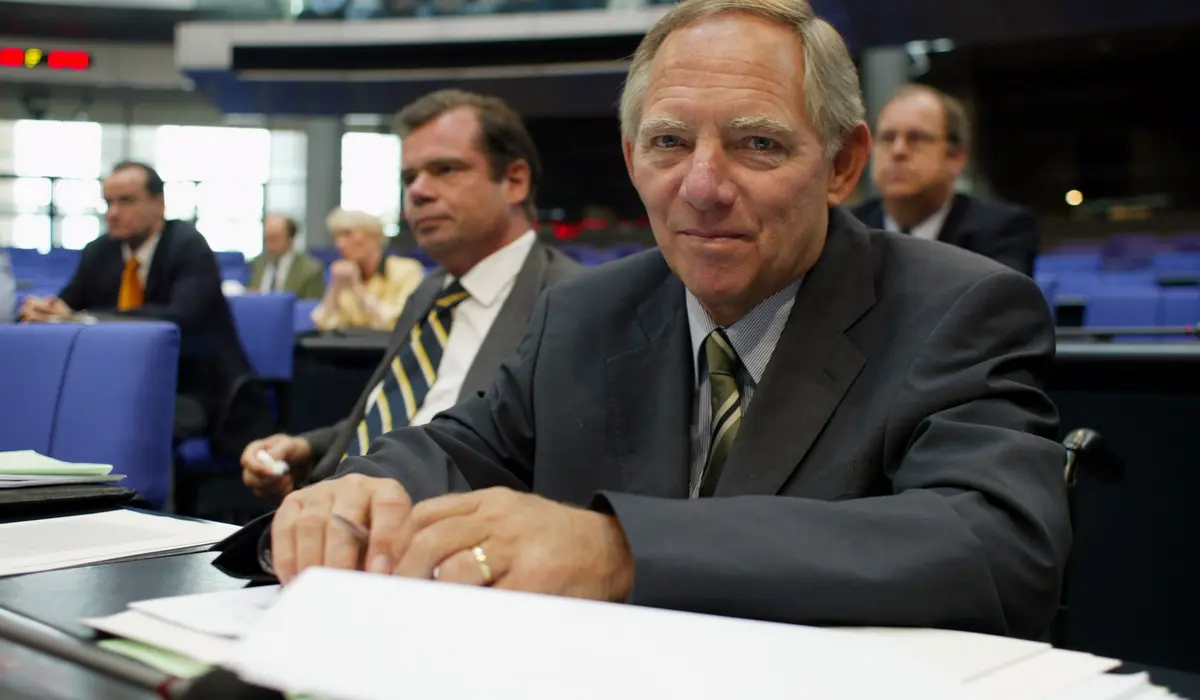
{"x":397,"y":398}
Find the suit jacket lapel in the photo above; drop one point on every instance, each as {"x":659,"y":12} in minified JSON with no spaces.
{"x":157,"y":264}
{"x":812,"y":367}
{"x":952,"y":230}
{"x":650,"y":390}
{"x":510,"y":325}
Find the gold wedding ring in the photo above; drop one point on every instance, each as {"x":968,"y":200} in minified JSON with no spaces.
{"x":484,"y":568}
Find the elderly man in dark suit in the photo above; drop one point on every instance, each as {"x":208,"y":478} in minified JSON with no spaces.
{"x":470,"y":171}
{"x":147,"y":267}
{"x":922,"y":142}
{"x":778,"y":414}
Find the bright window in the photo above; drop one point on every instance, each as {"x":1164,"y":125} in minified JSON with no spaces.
{"x":371,"y":175}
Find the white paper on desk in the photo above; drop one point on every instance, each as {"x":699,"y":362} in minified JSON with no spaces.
{"x":230,"y":614}
{"x":56,"y":543}
{"x":964,"y":656}
{"x":30,"y":462}
{"x":146,"y":629}
{"x":1041,"y":677}
{"x":382,"y":637}
{"x":1107,"y":686}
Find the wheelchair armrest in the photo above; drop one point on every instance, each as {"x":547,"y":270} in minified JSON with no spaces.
{"x":1088,"y":452}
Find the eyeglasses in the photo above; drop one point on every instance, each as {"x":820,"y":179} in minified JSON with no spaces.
{"x":915,"y":139}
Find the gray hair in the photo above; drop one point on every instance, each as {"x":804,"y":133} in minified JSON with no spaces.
{"x":832,"y":95}
{"x":348,"y":220}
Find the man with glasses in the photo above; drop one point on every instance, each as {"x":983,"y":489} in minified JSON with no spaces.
{"x":921,"y":147}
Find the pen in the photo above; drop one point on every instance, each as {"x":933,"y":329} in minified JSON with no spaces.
{"x":360,"y":533}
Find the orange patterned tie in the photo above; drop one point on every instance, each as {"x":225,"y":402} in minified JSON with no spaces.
{"x":132,"y":294}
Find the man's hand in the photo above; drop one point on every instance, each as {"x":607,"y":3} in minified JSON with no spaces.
{"x":529,"y":543}
{"x":296,"y":451}
{"x":44,"y":310}
{"x":304,"y":532}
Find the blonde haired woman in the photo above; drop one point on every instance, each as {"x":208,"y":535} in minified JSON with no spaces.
{"x":367,"y":288}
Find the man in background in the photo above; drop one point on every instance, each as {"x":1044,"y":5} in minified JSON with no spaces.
{"x":146,"y":267}
{"x":280,"y":268}
{"x":922,"y":142}
{"x":8,"y":289}
{"x":470,"y":173}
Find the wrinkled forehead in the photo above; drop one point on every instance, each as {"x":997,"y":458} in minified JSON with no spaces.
{"x":733,"y":70}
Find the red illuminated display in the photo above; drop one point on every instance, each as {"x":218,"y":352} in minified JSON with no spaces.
{"x":13,"y":57}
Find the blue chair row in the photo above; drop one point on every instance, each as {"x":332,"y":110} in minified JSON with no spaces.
{"x":1114,"y":307}
{"x":103,"y":394}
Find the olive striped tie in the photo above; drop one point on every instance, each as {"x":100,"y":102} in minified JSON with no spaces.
{"x":399,"y":396}
{"x":723,"y":365}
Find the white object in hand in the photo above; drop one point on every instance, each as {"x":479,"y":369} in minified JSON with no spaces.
{"x":278,"y":467}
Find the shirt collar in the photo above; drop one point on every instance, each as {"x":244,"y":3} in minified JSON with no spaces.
{"x":753,"y":336}
{"x":930,"y":228}
{"x":490,"y":277}
{"x":145,"y":252}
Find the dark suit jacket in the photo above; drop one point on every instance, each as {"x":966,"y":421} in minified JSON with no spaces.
{"x":183,"y":287}
{"x":897,"y":465}
{"x":544,"y":266}
{"x":1003,"y":232}
{"x":306,"y":276}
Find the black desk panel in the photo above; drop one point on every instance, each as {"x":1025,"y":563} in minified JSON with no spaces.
{"x":1133,"y":589}
{"x":329,"y":373}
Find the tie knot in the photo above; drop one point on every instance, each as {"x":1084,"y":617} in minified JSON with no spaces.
{"x":451,"y":296}
{"x":720,"y":355}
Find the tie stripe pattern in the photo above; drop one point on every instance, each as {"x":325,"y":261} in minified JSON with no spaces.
{"x":398,"y":397}
{"x":723,"y":364}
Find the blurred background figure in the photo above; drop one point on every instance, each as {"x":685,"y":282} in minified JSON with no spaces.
{"x":367,"y":288}
{"x":922,"y":141}
{"x":8,"y":290}
{"x":154,"y":268}
{"x":281,"y":268}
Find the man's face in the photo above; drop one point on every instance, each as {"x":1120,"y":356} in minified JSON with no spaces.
{"x":276,"y":240}
{"x":912,"y":156}
{"x":451,"y":201}
{"x":733,"y":175}
{"x":132,"y":212}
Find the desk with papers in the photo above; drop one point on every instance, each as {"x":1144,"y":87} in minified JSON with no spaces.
{"x":562,"y":648}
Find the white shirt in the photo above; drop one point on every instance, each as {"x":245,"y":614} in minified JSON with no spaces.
{"x":929,"y":229}
{"x":282,"y":267}
{"x":144,"y":255}
{"x":489,"y":284}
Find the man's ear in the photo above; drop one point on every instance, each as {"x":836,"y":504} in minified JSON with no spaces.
{"x":849,"y":163}
{"x":627,"y":151}
{"x":517,"y":176}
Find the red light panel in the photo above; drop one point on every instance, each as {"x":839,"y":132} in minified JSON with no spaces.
{"x":69,"y":60}
{"x":15,"y":57}
{"x":12,"y":58}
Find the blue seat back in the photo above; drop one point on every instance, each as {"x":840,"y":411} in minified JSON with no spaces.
{"x":102,"y":393}
{"x":265,"y":327}
{"x":1121,"y":306}
{"x":1179,"y":306}
{"x":303,"y":322}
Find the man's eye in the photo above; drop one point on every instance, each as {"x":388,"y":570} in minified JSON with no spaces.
{"x":666,"y":141}
{"x":761,"y":143}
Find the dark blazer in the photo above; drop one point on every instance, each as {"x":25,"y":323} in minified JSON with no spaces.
{"x":184,"y":287}
{"x":543,"y":267}
{"x":1003,"y":232}
{"x":897,"y":465}
{"x":306,"y":276}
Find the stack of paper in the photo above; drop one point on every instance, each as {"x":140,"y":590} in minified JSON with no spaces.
{"x":28,"y":468}
{"x":380,"y":636}
{"x":56,"y":543}
{"x":204,"y":627}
